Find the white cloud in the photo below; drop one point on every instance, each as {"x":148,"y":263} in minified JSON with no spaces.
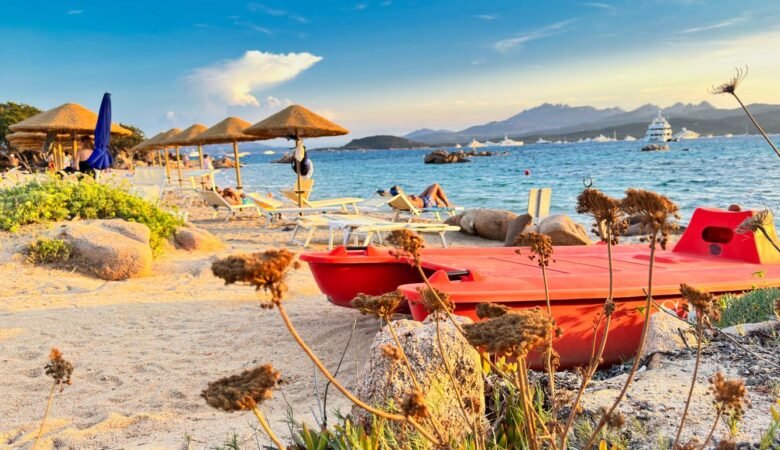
{"x":234,"y":80}
{"x":75,"y":12}
{"x":386,"y":3}
{"x":255,"y":7}
{"x":170,"y":116}
{"x":487,"y":16}
{"x":715,"y":26}
{"x":253,"y":27}
{"x":275,"y":103}
{"x":360,"y":7}
{"x":507,"y":45}
{"x":598,"y":5}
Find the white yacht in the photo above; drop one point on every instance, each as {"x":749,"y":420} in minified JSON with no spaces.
{"x":475,"y":144}
{"x":269,"y":152}
{"x":728,"y":135}
{"x":601,"y":138}
{"x":542,"y":141}
{"x":629,"y":138}
{"x":685,"y":134}
{"x":510,"y":143}
{"x":659,"y":130}
{"x":458,"y":146}
{"x":491,"y":144}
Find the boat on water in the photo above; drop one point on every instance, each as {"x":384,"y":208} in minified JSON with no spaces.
{"x":458,"y":146}
{"x":491,"y":144}
{"x":542,"y":141}
{"x":659,"y":130}
{"x":685,"y":134}
{"x":506,"y":142}
{"x":728,"y":135}
{"x":269,"y":152}
{"x":709,"y":256}
{"x":629,"y":138}
{"x":601,"y":138}
{"x":475,"y":144}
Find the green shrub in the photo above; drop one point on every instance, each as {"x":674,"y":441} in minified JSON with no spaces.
{"x":53,"y":200}
{"x":754,"y":306}
{"x":49,"y":251}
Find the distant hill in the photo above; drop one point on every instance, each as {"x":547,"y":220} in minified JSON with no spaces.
{"x":549,"y":120}
{"x":382,"y":142}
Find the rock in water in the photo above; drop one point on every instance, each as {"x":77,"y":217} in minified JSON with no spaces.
{"x":564,"y":231}
{"x":517,"y":227}
{"x":106,"y":253}
{"x":382,"y":381}
{"x":196,"y":239}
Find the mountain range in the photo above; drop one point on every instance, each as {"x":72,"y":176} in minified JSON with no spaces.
{"x":564,"y":121}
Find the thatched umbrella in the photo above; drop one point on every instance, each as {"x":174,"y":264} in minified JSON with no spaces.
{"x":229,"y":131}
{"x":32,"y":141}
{"x":185,"y":138}
{"x":295,"y":122}
{"x":70,"y":118}
{"x":155,"y":143}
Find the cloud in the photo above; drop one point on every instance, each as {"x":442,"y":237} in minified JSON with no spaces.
{"x":234,"y":80}
{"x":170,"y":116}
{"x":386,"y":3}
{"x":259,"y":7}
{"x":75,"y":12}
{"x":715,"y":26}
{"x":603,"y":6}
{"x":360,"y":7}
{"x":253,"y":27}
{"x":326,"y":113}
{"x":507,"y":45}
{"x":275,"y":103}
{"x":487,"y":16}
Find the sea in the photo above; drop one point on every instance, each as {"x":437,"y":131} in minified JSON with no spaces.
{"x":714,"y":172}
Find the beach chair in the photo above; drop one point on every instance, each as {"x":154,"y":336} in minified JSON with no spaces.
{"x":539,"y":203}
{"x":307,"y":184}
{"x":360,"y":227}
{"x":149,"y":184}
{"x":276,"y":208}
{"x":217,"y":202}
{"x":403,"y":205}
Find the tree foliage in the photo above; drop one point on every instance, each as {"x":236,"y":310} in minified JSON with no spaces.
{"x":11,"y":113}
{"x":123,"y":143}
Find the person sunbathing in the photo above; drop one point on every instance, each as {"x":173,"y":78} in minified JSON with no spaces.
{"x":232,"y":196}
{"x":432,"y":197}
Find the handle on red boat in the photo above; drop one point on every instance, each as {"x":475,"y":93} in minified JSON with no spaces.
{"x":357,"y":247}
{"x":457,"y":274}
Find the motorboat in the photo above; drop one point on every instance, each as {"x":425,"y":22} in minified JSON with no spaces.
{"x":659,"y":130}
{"x":709,"y":256}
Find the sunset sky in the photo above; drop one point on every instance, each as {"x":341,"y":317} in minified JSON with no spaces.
{"x":386,"y":66}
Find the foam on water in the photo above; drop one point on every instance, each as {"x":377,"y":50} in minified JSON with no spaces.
{"x":703,"y":172}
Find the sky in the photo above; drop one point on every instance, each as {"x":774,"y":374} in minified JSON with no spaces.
{"x":381,"y":66}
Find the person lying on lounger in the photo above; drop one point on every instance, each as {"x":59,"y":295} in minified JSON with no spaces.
{"x":432,"y":197}
{"x":233,"y":196}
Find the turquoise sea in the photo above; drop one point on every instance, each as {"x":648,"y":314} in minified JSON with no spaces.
{"x":702,"y":172}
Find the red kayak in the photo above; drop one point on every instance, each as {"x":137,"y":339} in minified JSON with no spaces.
{"x":709,"y":256}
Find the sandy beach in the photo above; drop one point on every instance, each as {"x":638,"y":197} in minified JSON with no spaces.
{"x":143,"y":349}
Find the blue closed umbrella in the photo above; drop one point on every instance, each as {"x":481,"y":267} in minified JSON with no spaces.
{"x":101,"y":159}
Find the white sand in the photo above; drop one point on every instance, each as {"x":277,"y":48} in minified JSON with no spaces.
{"x":144,"y":349}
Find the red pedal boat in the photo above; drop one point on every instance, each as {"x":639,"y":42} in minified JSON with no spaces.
{"x":709,"y":256}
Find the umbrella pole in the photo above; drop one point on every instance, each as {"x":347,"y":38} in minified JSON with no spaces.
{"x":167,"y":167}
{"x":238,"y":166}
{"x":178,"y":165}
{"x":59,"y":161}
{"x":75,"y":152}
{"x":298,"y":176}
{"x":202,"y":167}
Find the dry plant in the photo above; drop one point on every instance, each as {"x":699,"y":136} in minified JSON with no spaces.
{"x":610,"y":222}
{"x":730,"y":87}
{"x":759,"y":221}
{"x":730,"y":399}
{"x":657,"y":214}
{"x":60,"y":370}
{"x":707,"y":309}
{"x":541,"y":250}
{"x":245,"y":392}
{"x":268,"y":271}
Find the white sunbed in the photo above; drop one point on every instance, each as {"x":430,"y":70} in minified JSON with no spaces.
{"x":355,"y":225}
{"x":275,"y":208}
{"x":149,"y":184}
{"x":217,"y":202}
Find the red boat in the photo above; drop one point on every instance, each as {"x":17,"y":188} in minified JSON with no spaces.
{"x":709,"y":256}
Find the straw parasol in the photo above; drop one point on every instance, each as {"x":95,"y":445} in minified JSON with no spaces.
{"x":229,"y":131}
{"x":70,"y":118}
{"x":155,"y":143}
{"x":34,"y":141}
{"x":185,"y":138}
{"x":295,"y":122}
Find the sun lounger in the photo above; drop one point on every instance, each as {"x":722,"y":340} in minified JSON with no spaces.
{"x":403,"y":204}
{"x":539,"y":203}
{"x":307,"y":184}
{"x":149,"y":184}
{"x":217,"y":202}
{"x":355,"y":226}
